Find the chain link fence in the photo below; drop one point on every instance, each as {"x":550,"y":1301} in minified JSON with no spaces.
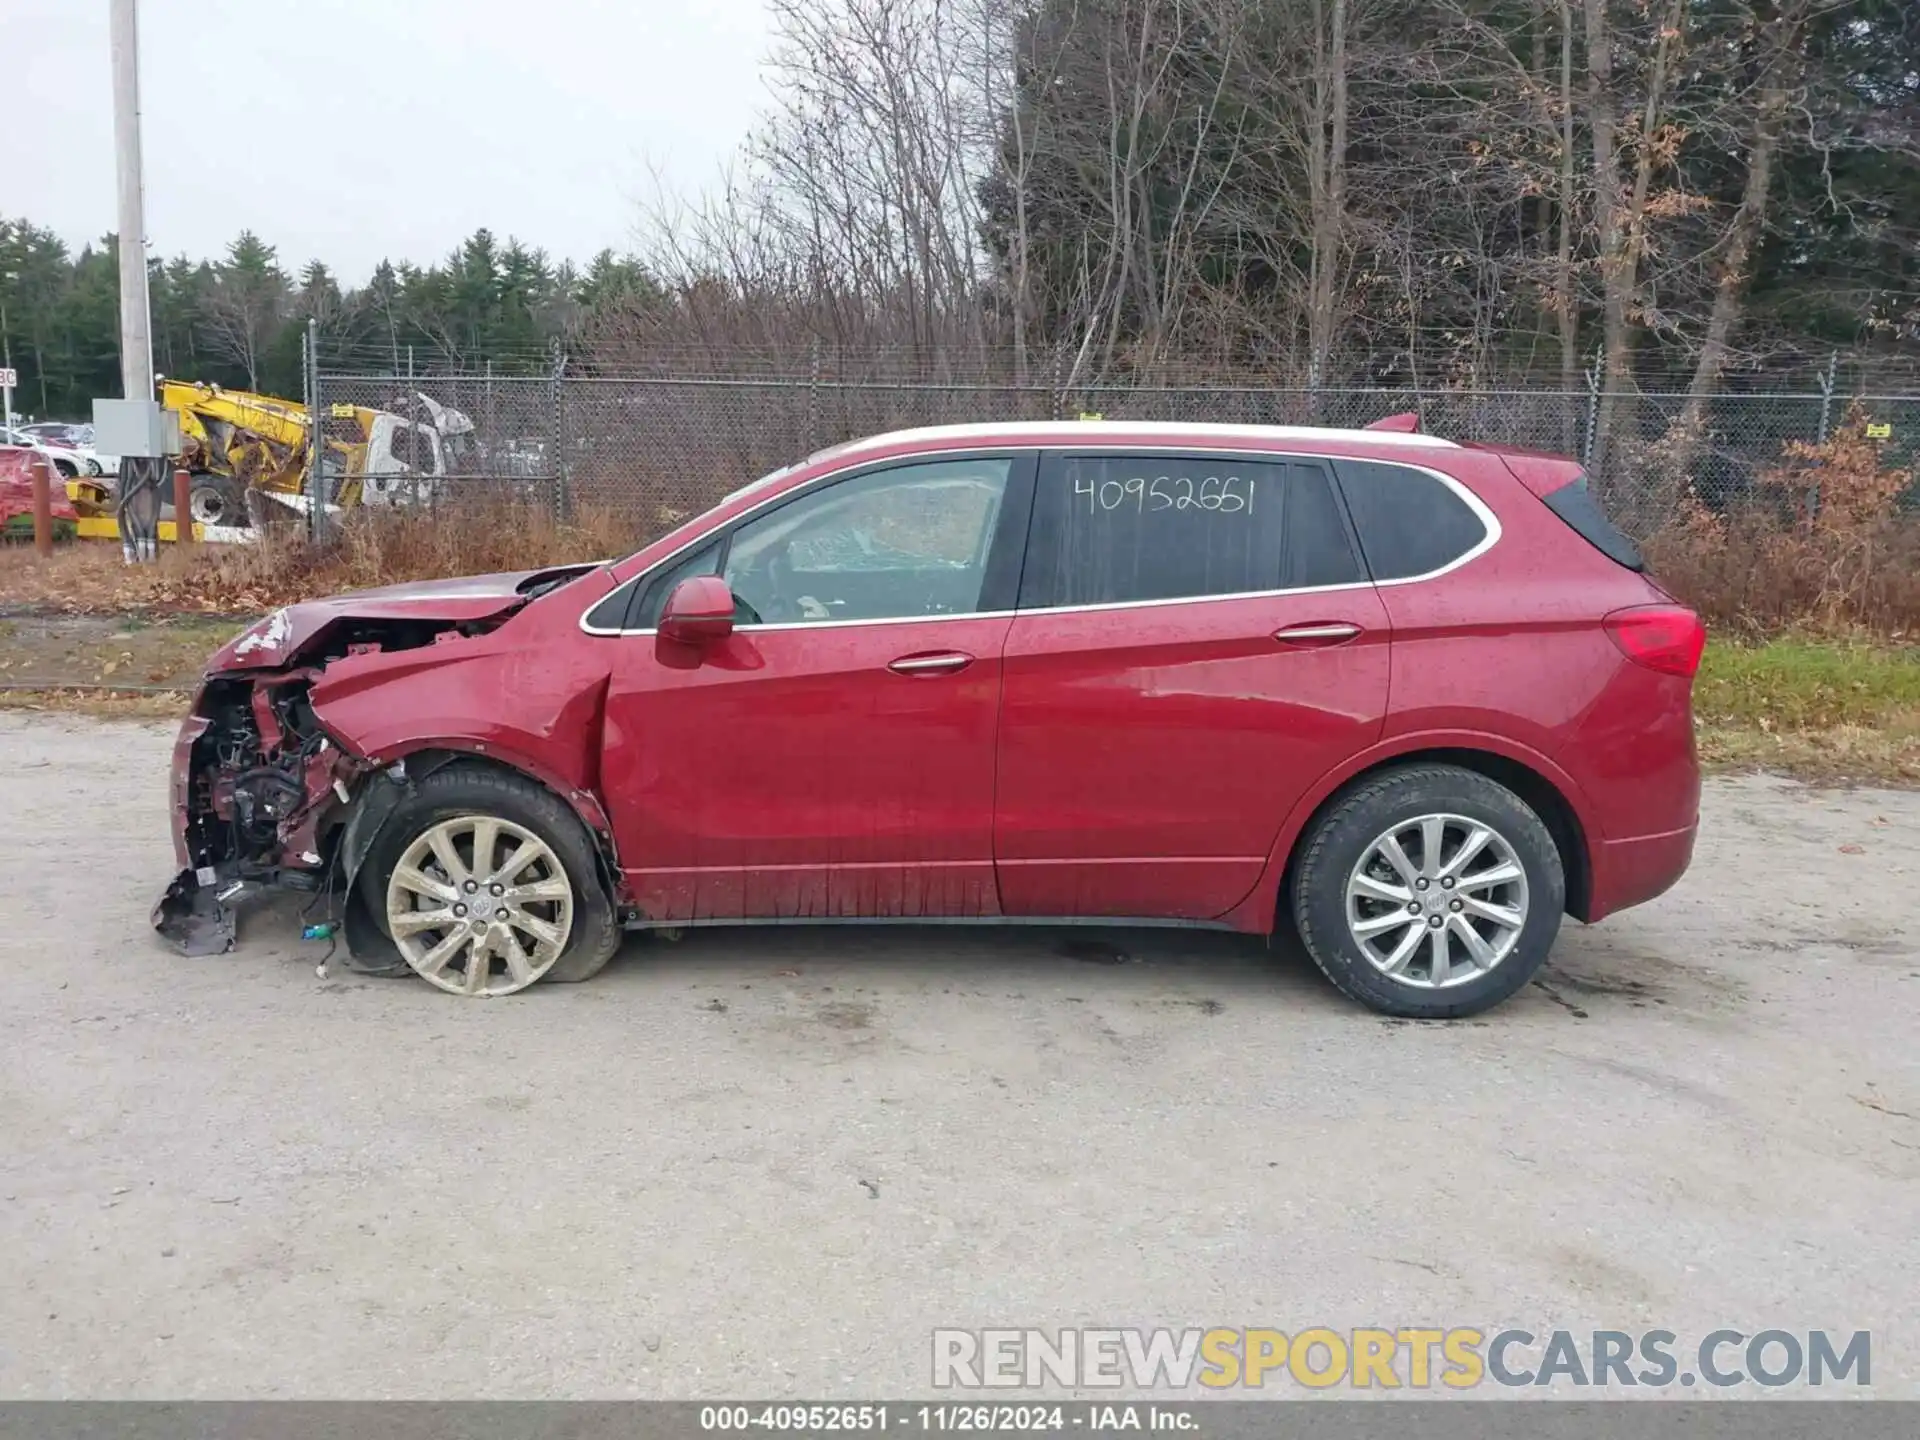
{"x":656,"y":449}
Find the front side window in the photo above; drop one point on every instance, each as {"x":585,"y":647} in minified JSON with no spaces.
{"x":891,"y":544}
{"x":1117,"y":529}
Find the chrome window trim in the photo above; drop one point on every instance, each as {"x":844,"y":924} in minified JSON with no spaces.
{"x":1489,"y":522}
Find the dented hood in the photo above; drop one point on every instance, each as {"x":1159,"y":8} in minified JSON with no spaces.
{"x":280,"y":638}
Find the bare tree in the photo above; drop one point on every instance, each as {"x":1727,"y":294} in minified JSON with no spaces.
{"x":245,"y":306}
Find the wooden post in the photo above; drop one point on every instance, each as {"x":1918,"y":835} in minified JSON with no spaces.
{"x":182,"y":507}
{"x":42,"y":506}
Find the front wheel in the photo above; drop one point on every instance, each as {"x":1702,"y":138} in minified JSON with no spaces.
{"x":1429,"y":892}
{"x":487,"y":882}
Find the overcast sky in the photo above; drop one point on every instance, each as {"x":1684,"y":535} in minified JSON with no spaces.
{"x":349,"y":130}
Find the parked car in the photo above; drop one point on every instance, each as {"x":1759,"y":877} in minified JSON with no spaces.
{"x":74,"y":436}
{"x":70,"y":463}
{"x":1413,"y":699}
{"x":59,"y":432}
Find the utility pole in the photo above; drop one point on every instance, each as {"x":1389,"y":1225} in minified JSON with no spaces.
{"x":6,"y":359}
{"x":136,"y":337}
{"x":137,"y":432}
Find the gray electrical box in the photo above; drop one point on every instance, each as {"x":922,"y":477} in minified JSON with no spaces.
{"x":135,"y":427}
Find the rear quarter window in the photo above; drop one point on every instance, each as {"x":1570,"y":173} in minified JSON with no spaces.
{"x":1409,"y":522}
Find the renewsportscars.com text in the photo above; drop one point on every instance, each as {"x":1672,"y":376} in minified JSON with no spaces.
{"x":1413,"y":1357}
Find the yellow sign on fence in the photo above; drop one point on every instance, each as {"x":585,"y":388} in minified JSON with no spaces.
{"x":1880,"y":432}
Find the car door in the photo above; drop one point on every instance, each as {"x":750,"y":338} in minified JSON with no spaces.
{"x":834,"y":755}
{"x":1196,"y":644}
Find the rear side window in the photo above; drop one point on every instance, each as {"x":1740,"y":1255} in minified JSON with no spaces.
{"x":1409,"y":522}
{"x":1575,"y":504}
{"x":1114,"y":529}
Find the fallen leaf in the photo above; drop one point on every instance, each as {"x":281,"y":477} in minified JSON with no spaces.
{"x":1853,"y":849}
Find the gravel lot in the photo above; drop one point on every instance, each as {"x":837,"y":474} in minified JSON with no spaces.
{"x":769,"y":1162}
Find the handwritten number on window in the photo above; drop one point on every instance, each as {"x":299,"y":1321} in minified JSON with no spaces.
{"x":1218,"y":494}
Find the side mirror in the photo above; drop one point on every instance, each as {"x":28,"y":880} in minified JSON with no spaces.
{"x":699,"y":611}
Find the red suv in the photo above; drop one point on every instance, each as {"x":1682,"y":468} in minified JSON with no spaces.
{"x":1415,"y":698}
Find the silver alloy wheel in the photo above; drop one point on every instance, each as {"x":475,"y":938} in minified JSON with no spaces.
{"x":473,"y":920}
{"x":1437,"y":901}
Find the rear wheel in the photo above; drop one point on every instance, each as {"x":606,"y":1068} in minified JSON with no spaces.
{"x":1429,"y":892}
{"x":216,"y":500}
{"x":487,"y":883}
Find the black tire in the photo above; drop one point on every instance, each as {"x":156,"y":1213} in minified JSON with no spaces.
{"x":66,"y":469}
{"x":1337,"y":841}
{"x":471,"y":789}
{"x":217,"y":500}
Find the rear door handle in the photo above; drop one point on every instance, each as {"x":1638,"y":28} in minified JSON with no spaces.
{"x":1332,"y":632}
{"x":945,"y":662}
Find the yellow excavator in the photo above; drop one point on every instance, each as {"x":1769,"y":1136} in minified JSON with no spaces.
{"x":247,"y":455}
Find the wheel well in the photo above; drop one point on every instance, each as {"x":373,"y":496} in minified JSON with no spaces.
{"x":1540,"y":794}
{"x":422,"y":763}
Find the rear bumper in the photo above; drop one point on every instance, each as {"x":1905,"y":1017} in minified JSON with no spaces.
{"x":1632,"y":872}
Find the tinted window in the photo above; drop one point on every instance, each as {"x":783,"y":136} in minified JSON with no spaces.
{"x":1117,"y":528}
{"x":1409,"y":522}
{"x":890,"y":544}
{"x":1575,"y":504}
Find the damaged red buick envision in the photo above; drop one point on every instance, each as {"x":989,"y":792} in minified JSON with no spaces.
{"x":1413,"y":698}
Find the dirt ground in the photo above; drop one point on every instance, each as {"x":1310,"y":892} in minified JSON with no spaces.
{"x":769,"y":1162}
{"x":58,"y":649}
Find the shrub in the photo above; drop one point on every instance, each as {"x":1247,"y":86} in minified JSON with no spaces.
{"x":1833,"y":552}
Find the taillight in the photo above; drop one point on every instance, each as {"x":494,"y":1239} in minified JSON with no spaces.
{"x":1667,"y":638}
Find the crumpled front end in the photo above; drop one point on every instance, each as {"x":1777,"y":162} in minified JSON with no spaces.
{"x":268,"y":796}
{"x":260,"y":792}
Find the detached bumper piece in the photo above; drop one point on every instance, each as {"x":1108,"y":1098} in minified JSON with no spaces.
{"x":193,"y":918}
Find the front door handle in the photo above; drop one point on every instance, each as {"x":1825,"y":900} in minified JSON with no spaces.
{"x":945,"y":662}
{"x":1332,"y":632}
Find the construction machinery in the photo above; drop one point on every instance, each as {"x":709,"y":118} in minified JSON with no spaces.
{"x":249,"y":455}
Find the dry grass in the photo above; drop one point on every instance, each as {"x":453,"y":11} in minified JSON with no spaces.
{"x":1828,"y":547}
{"x":39,"y":651}
{"x":102,"y":704}
{"x":371,"y":548}
{"x":1841,"y":755}
{"x":1754,"y":575}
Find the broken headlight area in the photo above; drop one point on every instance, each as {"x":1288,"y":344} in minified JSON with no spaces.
{"x":260,"y":796}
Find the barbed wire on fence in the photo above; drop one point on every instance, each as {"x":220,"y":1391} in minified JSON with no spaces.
{"x":657,"y":447}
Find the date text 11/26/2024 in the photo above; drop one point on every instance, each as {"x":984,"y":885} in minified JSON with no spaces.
{"x":949,"y":1418}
